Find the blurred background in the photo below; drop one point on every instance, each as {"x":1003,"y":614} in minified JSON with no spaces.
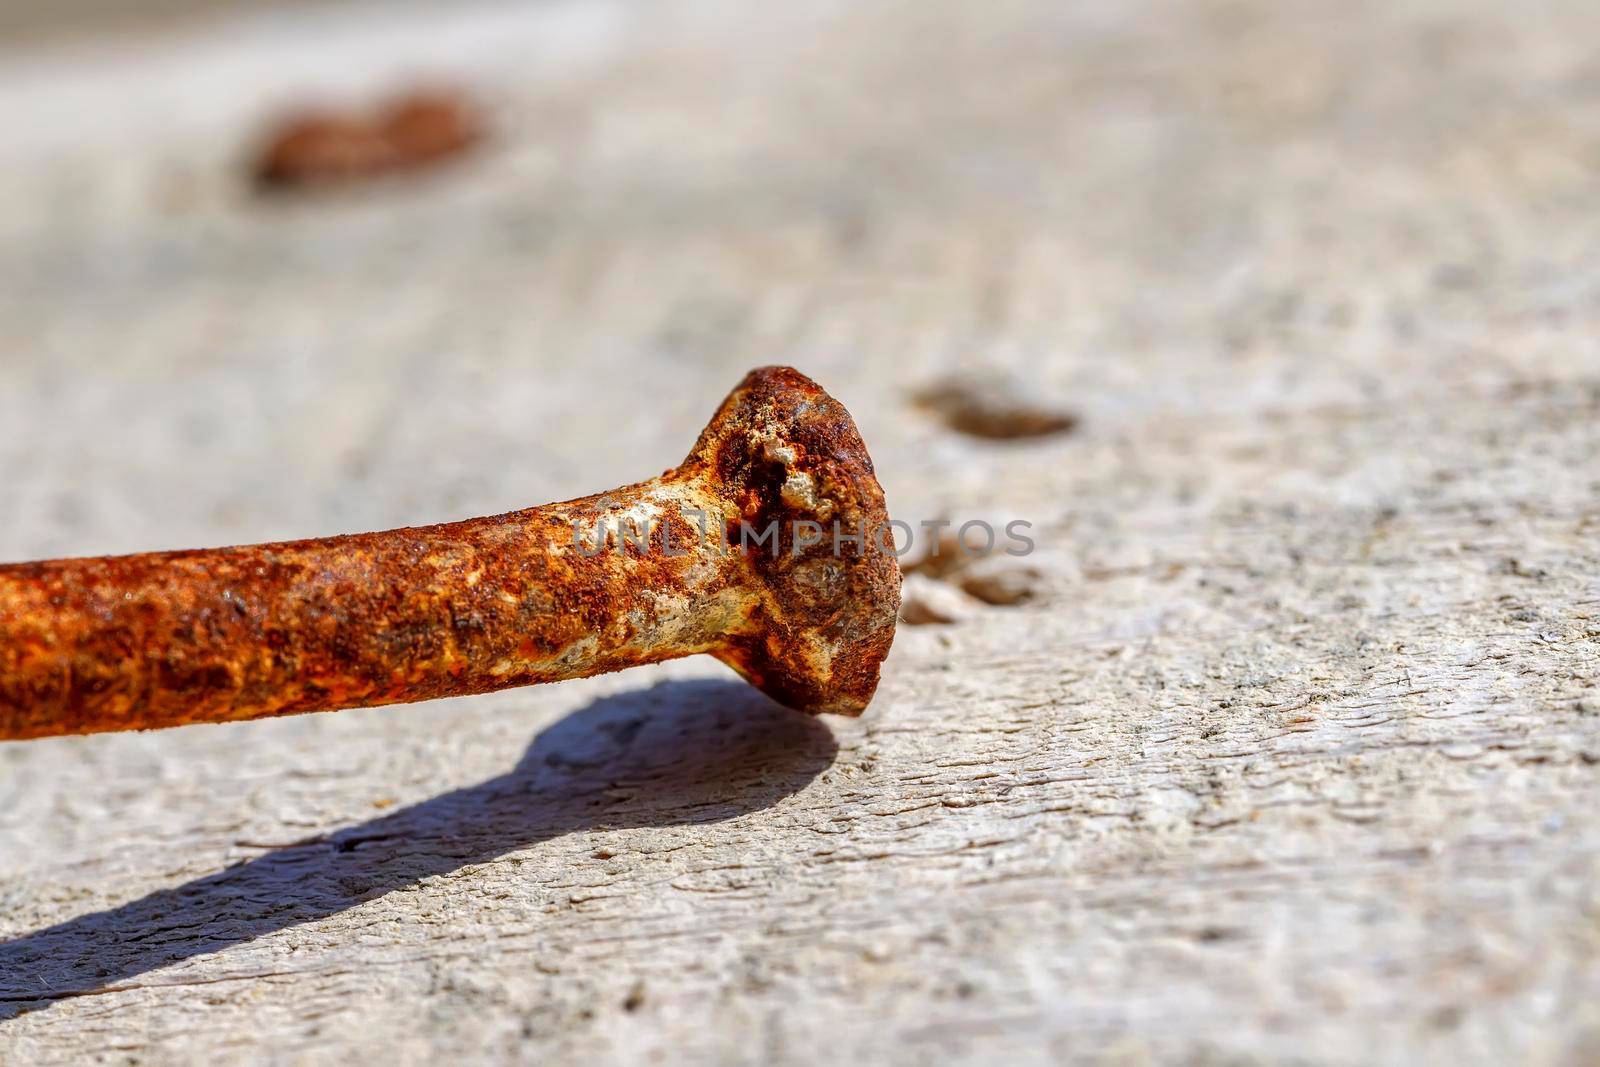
{"x":1191,"y":206}
{"x":1278,"y":319}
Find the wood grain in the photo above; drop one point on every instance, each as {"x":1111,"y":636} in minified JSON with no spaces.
{"x":1291,"y":755}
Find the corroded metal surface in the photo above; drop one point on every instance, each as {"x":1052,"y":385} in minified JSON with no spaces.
{"x":766,"y":548}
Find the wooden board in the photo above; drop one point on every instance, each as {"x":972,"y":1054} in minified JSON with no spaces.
{"x":1291,"y":755}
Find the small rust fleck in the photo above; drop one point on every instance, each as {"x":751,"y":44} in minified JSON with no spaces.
{"x":326,"y":147}
{"x":561,"y":591}
{"x":993,"y":406}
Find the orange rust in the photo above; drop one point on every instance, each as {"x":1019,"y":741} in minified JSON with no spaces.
{"x":414,"y":130}
{"x":169,"y":638}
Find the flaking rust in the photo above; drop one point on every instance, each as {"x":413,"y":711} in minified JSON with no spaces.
{"x":649,"y":572}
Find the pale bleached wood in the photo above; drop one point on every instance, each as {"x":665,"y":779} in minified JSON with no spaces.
{"x":1291,"y":758}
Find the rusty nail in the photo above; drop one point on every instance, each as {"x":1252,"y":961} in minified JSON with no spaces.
{"x":560,"y":591}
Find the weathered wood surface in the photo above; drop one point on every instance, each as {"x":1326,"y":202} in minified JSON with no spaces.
{"x":1292,"y":756}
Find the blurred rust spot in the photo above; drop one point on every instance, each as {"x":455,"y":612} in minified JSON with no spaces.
{"x":993,"y":406}
{"x":328,"y":147}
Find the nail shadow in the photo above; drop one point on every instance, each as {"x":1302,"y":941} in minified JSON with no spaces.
{"x":678,"y":753}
